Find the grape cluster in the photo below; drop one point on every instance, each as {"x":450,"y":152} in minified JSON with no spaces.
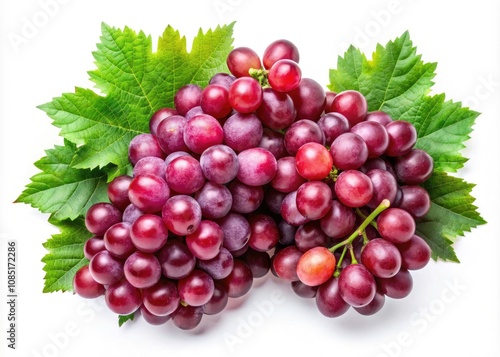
{"x":261,"y":170}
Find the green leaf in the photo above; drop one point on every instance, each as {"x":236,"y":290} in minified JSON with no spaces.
{"x":135,"y":82}
{"x":65,"y":255}
{"x":397,"y":81}
{"x":124,"y":318}
{"x":62,"y":190}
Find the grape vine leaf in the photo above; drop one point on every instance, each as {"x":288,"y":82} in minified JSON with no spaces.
{"x":136,"y":82}
{"x":397,"y":81}
{"x":124,"y":318}
{"x":65,"y":254}
{"x":62,"y":190}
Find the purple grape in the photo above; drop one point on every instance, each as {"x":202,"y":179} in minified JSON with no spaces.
{"x":242,"y":131}
{"x":215,"y":200}
{"x":181,"y":214}
{"x":257,"y":166}
{"x":184,"y":175}
{"x":122,"y":298}
{"x":142,"y":270}
{"x":176,"y":260}
{"x":219,"y":164}
{"x":144,"y":145}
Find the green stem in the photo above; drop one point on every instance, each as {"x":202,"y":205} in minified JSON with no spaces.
{"x":381,"y":207}
{"x":353,"y":257}
{"x":260,"y":75}
{"x":339,"y":263}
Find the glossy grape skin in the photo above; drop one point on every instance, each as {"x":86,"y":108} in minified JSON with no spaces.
{"x":309,"y":99}
{"x":245,"y":95}
{"x":181,"y":214}
{"x":201,"y":132}
{"x":379,"y":116}
{"x":277,"y":110}
{"x":284,"y":75}
{"x":349,"y":151}
{"x":143,"y":145}
{"x":310,"y":235}
{"x":402,"y":137}
{"x":158,"y":116}
{"x":259,"y":262}
{"x":131,"y":213}
{"x":274,"y":142}
{"x":117,"y":240}
{"x":170,"y":134}
{"x":219,"y":164}
{"x":289,"y":210}
{"x":328,"y":299}
{"x":184,"y":175}
{"x":85,"y":285}
{"x":333,"y":125}
{"x":150,"y":165}
{"x":239,"y":281}
{"x":354,"y":188}
{"x":187,"y":97}
{"x":148,"y":192}
{"x":384,"y":187}
{"x":105,"y":268}
{"x":314,"y":199}
{"x":357,"y":285}
{"x":93,"y":246}
{"x":329,"y":101}
{"x":206,"y":241}
{"x":219,"y":266}
{"x":374,"y":306}
{"x":313,"y":161}
{"x":218,"y":301}
{"x":339,"y":220}
{"x":374,"y":135}
{"x":301,"y":132}
{"x":416,"y":200}
{"x":316,"y":266}
{"x":242,"y":131}
{"x":187,"y":317}
{"x":396,"y":225}
{"x":215,"y":200}
{"x":352,"y":104}
{"x":241,"y":59}
{"x":381,"y":257}
{"x":151,"y":318}
{"x":197,"y":288}
{"x":222,"y":78}
{"x":257,"y":166}
{"x":176,"y":260}
{"x":280,"y":49}
{"x":214,"y":101}
{"x":162,"y":298}
{"x":303,"y":290}
{"x":118,"y":191}
{"x":414,"y":167}
{"x":415,"y":254}
{"x":148,"y":233}
{"x":285,"y":263}
{"x":397,"y":287}
{"x":122,"y":298}
{"x":287,"y":179}
{"x":100,"y":216}
{"x":287,"y":232}
{"x":142,"y":270}
{"x":246,"y":199}
{"x":264,"y":232}
{"x":236,"y":229}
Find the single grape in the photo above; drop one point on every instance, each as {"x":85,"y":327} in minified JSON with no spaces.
{"x":187,"y":317}
{"x":338,"y":221}
{"x":396,"y":225}
{"x":384,"y":187}
{"x":162,"y":298}
{"x":310,"y":235}
{"x":151,"y":318}
{"x":379,"y":116}
{"x":131,"y":213}
{"x":357,"y":285}
{"x":219,"y":164}
{"x":118,"y":191}
{"x":316,"y":266}
{"x":374,"y":306}
{"x":241,"y":59}
{"x":280,"y":49}
{"x":214,"y":101}
{"x":351,"y":104}
{"x":93,"y":246}
{"x":245,"y":95}
{"x":309,"y":99}
{"x":206,"y":241}
{"x":415,"y":253}
{"x":218,"y":301}
{"x":150,"y":165}
{"x":414,"y":167}
{"x":197,"y":288}
{"x":170,"y":134}
{"x":374,"y":135}
{"x":143,"y":145}
{"x":85,"y":285}
{"x":257,"y":166}
{"x":277,"y":110}
{"x":201,"y":132}
{"x":246,"y":199}
{"x":274,"y":142}
{"x":184,"y":175}
{"x":100,"y":216}
{"x":264,"y":232}
{"x":381,"y":258}
{"x":148,"y":192}
{"x":416,"y":200}
{"x":285,"y":263}
{"x":224,"y":79}
{"x":105,"y":268}
{"x":301,"y":132}
{"x":289,"y":210}
{"x":402,"y":137}
{"x":287,"y":178}
{"x":142,"y":270}
{"x":333,"y":125}
{"x":148,"y":233}
{"x":328,"y":299}
{"x":176,"y":260}
{"x":314,"y":199}
{"x":158,"y":116}
{"x":117,"y":240}
{"x":215,"y":200}
{"x":353,"y":188}
{"x":122,"y":298}
{"x":187,"y":97}
{"x":181,"y":214}
{"x":273,"y":199}
{"x":349,"y":151}
{"x":219,"y":266}
{"x":239,"y":281}
{"x":287,"y":233}
{"x":303,"y":290}
{"x":314,"y":161}
{"x":329,"y":101}
{"x":236,"y":229}
{"x":284,"y":75}
{"x":259,"y":262}
{"x":397,"y":287}
{"x":242,"y":131}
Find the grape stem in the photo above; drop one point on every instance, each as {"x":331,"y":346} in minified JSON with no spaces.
{"x":260,"y":75}
{"x":381,"y":207}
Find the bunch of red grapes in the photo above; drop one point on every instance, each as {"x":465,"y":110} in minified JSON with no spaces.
{"x":261,"y":170}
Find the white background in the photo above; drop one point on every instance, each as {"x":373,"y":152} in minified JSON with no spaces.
{"x":453,"y":309}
